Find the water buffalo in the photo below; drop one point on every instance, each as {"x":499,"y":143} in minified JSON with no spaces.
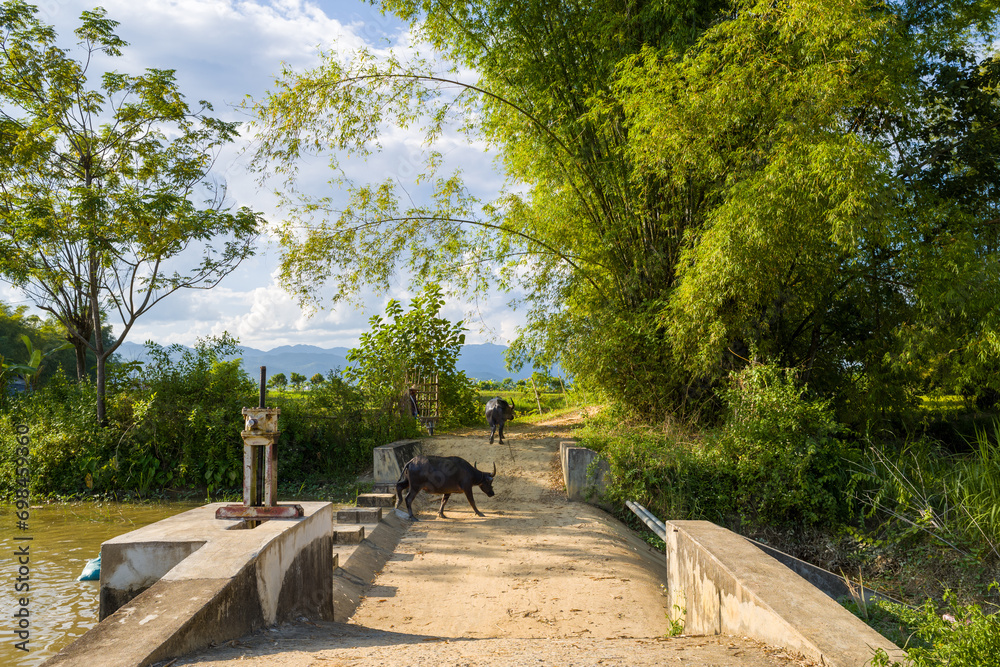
{"x":442,"y":474}
{"x":498,"y":412}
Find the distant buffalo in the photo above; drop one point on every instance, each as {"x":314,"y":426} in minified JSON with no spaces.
{"x":498,"y":412}
{"x":442,"y":474}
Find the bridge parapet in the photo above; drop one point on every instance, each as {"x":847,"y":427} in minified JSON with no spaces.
{"x":583,"y":473}
{"x":389,"y":461}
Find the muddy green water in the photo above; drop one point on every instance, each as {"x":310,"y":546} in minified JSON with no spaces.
{"x":63,"y":538}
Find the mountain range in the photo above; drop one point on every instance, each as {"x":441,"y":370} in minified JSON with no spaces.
{"x":484,"y":361}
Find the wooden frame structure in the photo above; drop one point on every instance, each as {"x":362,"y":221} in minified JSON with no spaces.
{"x":428,"y":397}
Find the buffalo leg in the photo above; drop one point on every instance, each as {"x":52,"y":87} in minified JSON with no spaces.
{"x":409,"y":501}
{"x":501,"y":435}
{"x":400,"y":485}
{"x":472,"y":501}
{"x":493,"y":431}
{"x":444,"y":499}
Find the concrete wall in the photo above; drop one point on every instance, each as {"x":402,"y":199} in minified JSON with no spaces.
{"x":583,"y":481}
{"x":834,"y":585}
{"x":128,"y":569}
{"x":389,"y":461}
{"x":233,"y":582}
{"x":719,"y":583}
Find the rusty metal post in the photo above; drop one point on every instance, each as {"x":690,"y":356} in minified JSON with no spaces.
{"x":260,"y":465}
{"x":259,"y":438}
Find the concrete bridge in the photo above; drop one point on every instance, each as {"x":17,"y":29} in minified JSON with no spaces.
{"x":542,"y":579}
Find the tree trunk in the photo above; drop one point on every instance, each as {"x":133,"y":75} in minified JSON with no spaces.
{"x":102,"y":358}
{"x":81,"y":358}
{"x":78,"y":333}
{"x":538,"y":401}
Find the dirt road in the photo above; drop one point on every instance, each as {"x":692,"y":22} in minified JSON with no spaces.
{"x":538,"y":581}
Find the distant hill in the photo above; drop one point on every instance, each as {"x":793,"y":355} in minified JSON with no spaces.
{"x":483,"y":361}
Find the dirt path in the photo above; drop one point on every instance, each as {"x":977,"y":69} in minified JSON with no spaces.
{"x":539,"y":580}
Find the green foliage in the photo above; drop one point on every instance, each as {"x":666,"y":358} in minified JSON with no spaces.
{"x":882,"y":617}
{"x":963,"y":636}
{"x":297,"y":380}
{"x":33,"y":369}
{"x":814,"y":179}
{"x":923,"y":490}
{"x":330,"y":431}
{"x":676,"y":621}
{"x":175,"y":422}
{"x":776,"y":462}
{"x":44,"y":334}
{"x":190,"y":431}
{"x":788,"y":462}
{"x":66,"y":444}
{"x":669,"y":472}
{"x":100,"y":183}
{"x":278,"y":381}
{"x":415,"y":343}
{"x":583,"y":236}
{"x":317,"y":380}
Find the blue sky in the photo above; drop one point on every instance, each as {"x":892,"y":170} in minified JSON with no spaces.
{"x":223,"y":51}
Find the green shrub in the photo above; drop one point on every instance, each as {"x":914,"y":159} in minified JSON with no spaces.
{"x":963,"y":636}
{"x":666,"y":470}
{"x":189,"y":432}
{"x":405,"y":346}
{"x":329,"y":431}
{"x":782,"y":447}
{"x":69,"y":451}
{"x":777,"y":460}
{"x":175,"y":422}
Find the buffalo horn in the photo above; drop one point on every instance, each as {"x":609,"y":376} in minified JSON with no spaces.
{"x":494,"y":469}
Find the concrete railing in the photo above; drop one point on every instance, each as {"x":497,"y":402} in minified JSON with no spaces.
{"x":719,"y":582}
{"x":583,"y":473}
{"x":389,"y":461}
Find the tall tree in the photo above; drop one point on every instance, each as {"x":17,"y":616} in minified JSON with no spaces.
{"x":589,"y":244}
{"x":693,"y":183}
{"x":853,"y":149}
{"x":107,"y":204}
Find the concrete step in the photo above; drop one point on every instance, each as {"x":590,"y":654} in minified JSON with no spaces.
{"x":348,"y":534}
{"x":353,"y":515}
{"x":377,"y":500}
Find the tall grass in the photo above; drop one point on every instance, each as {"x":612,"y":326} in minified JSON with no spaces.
{"x":954,"y":498}
{"x":976,"y":492}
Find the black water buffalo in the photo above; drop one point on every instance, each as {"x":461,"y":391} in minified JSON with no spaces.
{"x":498,"y":412}
{"x":442,"y":474}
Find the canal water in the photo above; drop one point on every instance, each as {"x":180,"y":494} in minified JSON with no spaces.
{"x":63,"y":538}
